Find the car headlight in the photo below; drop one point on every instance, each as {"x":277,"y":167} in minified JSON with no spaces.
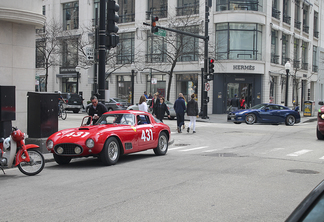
{"x":49,"y":144}
{"x":90,"y":143}
{"x":322,"y":116}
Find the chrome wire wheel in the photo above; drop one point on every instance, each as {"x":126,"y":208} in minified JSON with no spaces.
{"x":113,"y":151}
{"x":163,"y":144}
{"x":110,"y":152}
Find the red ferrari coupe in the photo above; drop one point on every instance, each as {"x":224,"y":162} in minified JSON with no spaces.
{"x":114,"y":134}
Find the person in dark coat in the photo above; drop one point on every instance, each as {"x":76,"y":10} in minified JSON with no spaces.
{"x":235,"y":103}
{"x":192,"y":112}
{"x":180,"y":107}
{"x":161,"y":109}
{"x":155,"y":101}
{"x":96,"y":110}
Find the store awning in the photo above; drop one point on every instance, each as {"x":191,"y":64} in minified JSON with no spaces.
{"x":67,"y":75}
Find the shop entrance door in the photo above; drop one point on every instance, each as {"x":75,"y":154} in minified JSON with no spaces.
{"x":240,"y":89}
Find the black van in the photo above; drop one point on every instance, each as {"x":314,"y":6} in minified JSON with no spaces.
{"x":73,"y":102}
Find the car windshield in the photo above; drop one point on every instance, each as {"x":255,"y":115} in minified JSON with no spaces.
{"x":121,"y":118}
{"x":259,"y":106}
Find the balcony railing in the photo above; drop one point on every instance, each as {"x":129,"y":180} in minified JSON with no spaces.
{"x":296,"y":64}
{"x":304,"y":66}
{"x":306,"y":28}
{"x":286,"y":19}
{"x":316,"y":34}
{"x":189,"y":9}
{"x":315,"y":68}
{"x":127,"y":18}
{"x":275,"y":59}
{"x":155,"y":57}
{"x":284,"y":60}
{"x":276,"y":13}
{"x":125,"y":59}
{"x":297,"y":24}
{"x":160,"y":12}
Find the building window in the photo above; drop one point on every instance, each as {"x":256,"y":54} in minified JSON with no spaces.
{"x":285,"y":12}
{"x":124,"y":87}
{"x":158,"y":7}
{"x":187,"y":7}
{"x":305,"y":18}
{"x":44,"y":10}
{"x":187,"y":84}
{"x":159,"y":87}
{"x":126,"y":48}
{"x":285,"y":49}
{"x":238,"y":41}
{"x":69,"y":85}
{"x":304,"y":55}
{"x":40,"y":54}
{"x":252,"y":5}
{"x":274,"y":47}
{"x":187,"y":45}
{"x":275,"y":12}
{"x":296,"y":62}
{"x":156,"y":48}
{"x":71,"y":15}
{"x":69,"y":52}
{"x":316,"y":32}
{"x":315,"y":62}
{"x":126,"y":11}
{"x":297,"y":14}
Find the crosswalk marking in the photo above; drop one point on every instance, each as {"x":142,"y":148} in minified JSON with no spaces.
{"x":298,"y":153}
{"x":176,"y":148}
{"x":322,"y":158}
{"x":197,"y":148}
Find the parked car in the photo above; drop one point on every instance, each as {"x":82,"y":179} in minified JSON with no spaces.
{"x":114,"y":134}
{"x":311,"y":208}
{"x":73,"y":102}
{"x":113,"y":104}
{"x":266,"y":113}
{"x":320,"y":122}
{"x":149,"y":104}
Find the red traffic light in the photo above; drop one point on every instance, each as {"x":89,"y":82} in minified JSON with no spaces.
{"x":154,"y":20}
{"x":211,"y":61}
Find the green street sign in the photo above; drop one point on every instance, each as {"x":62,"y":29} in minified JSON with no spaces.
{"x":161,"y":32}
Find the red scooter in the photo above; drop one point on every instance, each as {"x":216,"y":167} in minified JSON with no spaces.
{"x":13,"y":151}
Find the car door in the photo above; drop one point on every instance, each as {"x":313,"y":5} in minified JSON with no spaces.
{"x":145,"y":133}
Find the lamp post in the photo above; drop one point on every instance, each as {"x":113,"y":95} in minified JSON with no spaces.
{"x":133,"y":72}
{"x":77,"y":69}
{"x":287,"y":67}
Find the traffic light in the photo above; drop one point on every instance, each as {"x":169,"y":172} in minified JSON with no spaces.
{"x":154,"y":29}
{"x":211,"y":66}
{"x":112,"y":18}
{"x":112,"y":41}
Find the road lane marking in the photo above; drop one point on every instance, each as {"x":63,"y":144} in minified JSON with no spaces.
{"x":322,"y":158}
{"x":298,"y":153}
{"x":176,"y":148}
{"x":209,"y":151}
{"x":197,"y":148}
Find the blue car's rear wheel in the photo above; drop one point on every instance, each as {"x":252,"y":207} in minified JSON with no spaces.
{"x":290,"y":120}
{"x":250,"y":118}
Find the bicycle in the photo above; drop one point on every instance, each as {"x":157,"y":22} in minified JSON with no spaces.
{"x":62,"y":112}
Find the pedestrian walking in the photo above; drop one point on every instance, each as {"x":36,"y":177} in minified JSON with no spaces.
{"x":142,"y":105}
{"x":192,"y":112}
{"x":161,"y":109}
{"x":184,"y":124}
{"x":235,"y":103}
{"x":145,"y":94}
{"x":242,"y":103}
{"x":180,"y":107}
{"x":155,"y":101}
{"x":96,"y":110}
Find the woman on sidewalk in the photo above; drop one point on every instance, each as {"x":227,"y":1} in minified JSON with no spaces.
{"x":192,"y":112}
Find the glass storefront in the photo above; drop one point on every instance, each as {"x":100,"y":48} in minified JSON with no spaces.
{"x":157,"y":84}
{"x":69,"y":85}
{"x":187,"y":84}
{"x":124,"y":87}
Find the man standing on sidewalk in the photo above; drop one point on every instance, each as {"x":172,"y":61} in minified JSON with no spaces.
{"x":180,"y":107}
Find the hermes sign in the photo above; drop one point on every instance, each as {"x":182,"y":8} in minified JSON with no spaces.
{"x":243,"y":67}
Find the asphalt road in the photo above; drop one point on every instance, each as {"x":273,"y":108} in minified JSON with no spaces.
{"x":224,"y":172}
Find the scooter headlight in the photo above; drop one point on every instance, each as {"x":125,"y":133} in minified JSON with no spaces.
{"x":50,"y":144}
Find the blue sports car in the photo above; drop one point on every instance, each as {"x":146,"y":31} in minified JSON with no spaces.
{"x":266,"y":113}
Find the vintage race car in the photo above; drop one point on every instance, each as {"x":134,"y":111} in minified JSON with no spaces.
{"x":114,"y":134}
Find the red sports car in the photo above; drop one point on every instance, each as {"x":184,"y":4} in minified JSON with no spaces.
{"x":114,"y":134}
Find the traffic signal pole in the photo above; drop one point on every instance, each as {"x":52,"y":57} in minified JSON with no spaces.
{"x":102,"y":51}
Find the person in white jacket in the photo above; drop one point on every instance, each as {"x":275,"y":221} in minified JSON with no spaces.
{"x":142,"y":105}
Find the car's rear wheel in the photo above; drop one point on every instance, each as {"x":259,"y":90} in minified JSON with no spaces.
{"x":111,"y":152}
{"x":290,"y":120}
{"x":162,"y":146}
{"x":62,"y":160}
{"x":319,"y":135}
{"x":76,"y":111}
{"x":237,"y":122}
{"x":250,"y":118}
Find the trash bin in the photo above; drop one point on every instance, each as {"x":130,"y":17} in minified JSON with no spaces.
{"x":42,"y":118}
{"x":7,"y":109}
{"x":309,"y":108}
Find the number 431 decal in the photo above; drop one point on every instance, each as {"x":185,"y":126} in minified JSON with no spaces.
{"x":147,"y":135}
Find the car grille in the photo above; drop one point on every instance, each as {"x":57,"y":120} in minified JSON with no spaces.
{"x":68,"y":148}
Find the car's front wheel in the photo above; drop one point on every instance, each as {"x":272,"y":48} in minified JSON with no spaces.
{"x":162,"y":146}
{"x":290,"y":120}
{"x":111,"y":152}
{"x":250,"y":118}
{"x":319,"y":135}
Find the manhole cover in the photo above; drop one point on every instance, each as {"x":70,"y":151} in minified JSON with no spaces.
{"x":223,"y":154}
{"x":303,"y":171}
{"x":181,"y":144}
